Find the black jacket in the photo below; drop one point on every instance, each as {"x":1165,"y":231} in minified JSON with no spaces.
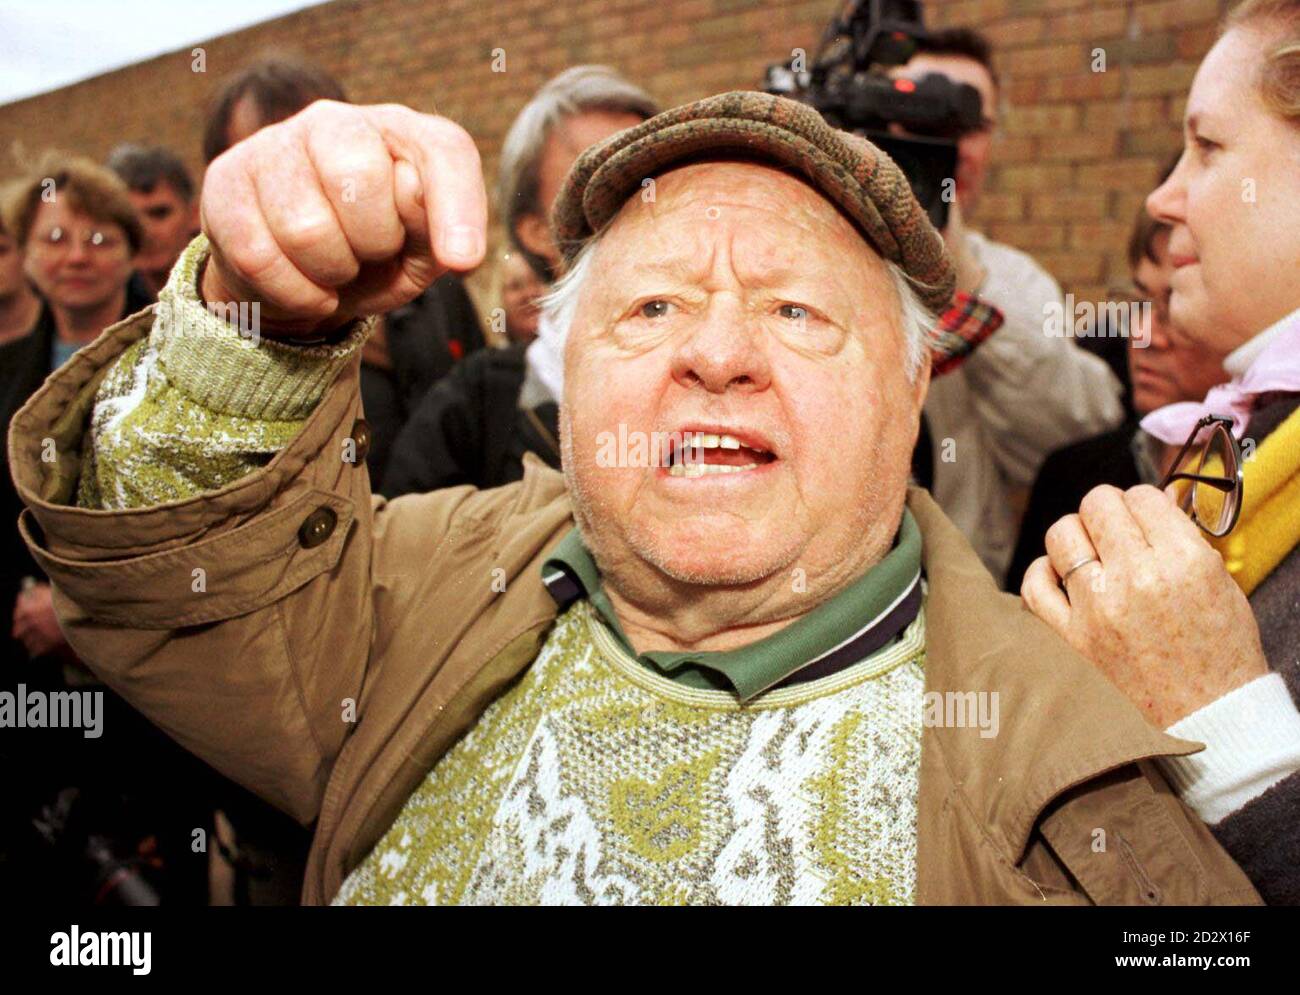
{"x":468,"y":429}
{"x":1065,"y":477}
{"x":426,"y":339}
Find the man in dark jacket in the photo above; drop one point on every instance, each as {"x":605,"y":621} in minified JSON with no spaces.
{"x":470,"y":428}
{"x":417,"y":345}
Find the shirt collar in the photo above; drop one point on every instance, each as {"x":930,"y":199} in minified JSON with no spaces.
{"x":848,"y":628}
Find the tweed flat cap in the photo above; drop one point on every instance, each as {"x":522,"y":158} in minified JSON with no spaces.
{"x":847,"y":169}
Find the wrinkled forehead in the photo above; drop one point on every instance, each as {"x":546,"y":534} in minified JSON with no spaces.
{"x":692,"y":196}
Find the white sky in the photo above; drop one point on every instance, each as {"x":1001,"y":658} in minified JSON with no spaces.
{"x":46,"y":44}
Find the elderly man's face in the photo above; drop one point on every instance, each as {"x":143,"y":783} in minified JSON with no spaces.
{"x":740,"y":302}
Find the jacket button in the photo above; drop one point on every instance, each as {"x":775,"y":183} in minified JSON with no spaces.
{"x":317,"y":527}
{"x":361,"y":438}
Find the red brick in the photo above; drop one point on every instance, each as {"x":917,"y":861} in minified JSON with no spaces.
{"x":1013,"y":148}
{"x":1120,"y":174}
{"x":1193,"y":43}
{"x":1015,"y":31}
{"x":1068,"y":206}
{"x":1125,"y":113}
{"x":1125,"y":204}
{"x":1174,"y":13}
{"x":1099,"y":235}
{"x":964,"y":12}
{"x":1174,"y":78}
{"x":1089,"y":25}
{"x":1043,"y":119}
{"x":1083,"y":86}
{"x":1158,"y":142}
{"x":1081,"y":145}
{"x":1000,"y":207}
{"x":1043,"y":60}
{"x":1029,"y":235}
{"x":1036,"y":177}
{"x":1071,"y":268}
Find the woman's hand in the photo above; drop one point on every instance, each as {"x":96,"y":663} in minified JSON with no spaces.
{"x":1148,"y":601}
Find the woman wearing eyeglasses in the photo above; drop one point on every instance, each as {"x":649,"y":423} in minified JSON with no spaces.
{"x":74,"y":221}
{"x":1155,"y":591}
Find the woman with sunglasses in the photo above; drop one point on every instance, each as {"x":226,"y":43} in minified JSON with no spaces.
{"x":1203,"y":635}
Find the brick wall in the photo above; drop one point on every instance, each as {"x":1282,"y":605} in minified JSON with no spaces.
{"x":1077,"y":153}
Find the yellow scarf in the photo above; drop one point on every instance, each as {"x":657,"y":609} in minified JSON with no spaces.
{"x":1269,"y":526}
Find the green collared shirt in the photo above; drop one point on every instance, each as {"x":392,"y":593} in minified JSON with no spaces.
{"x":849,"y":627}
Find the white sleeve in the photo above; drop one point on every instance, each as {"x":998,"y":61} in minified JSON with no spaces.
{"x":1252,"y":737}
{"x":1033,"y":393}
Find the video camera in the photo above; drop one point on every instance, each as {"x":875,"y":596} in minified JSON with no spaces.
{"x":848,"y":83}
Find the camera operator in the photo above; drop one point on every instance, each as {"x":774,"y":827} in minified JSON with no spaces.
{"x":1021,"y":395}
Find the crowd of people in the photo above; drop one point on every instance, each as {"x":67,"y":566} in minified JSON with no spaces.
{"x":463,"y":626}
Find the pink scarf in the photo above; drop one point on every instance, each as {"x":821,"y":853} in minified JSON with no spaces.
{"x":1276,"y":368}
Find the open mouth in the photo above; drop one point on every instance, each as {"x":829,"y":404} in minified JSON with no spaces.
{"x":702,"y":454}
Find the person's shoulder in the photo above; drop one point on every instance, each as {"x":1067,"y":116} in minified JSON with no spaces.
{"x":1007,"y":259}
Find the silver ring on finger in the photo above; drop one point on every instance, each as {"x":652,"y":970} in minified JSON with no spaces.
{"x":1079,"y":565}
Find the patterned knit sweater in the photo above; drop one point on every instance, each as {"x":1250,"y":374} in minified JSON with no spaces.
{"x":595,"y":781}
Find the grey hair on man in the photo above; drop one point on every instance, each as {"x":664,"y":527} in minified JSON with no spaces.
{"x":578,"y":90}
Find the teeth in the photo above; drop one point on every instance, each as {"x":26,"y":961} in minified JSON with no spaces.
{"x":703,"y":441}
{"x":702,"y":469}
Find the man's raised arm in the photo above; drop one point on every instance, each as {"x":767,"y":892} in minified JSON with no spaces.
{"x":193,"y":484}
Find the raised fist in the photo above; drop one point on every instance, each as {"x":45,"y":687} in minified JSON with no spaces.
{"x":341,"y":211}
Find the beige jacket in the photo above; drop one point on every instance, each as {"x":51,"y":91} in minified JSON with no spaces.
{"x":342,"y":644}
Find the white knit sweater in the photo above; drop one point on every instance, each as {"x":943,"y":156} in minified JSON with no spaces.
{"x":594,"y":780}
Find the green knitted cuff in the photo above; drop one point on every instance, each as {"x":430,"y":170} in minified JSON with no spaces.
{"x":215,"y":355}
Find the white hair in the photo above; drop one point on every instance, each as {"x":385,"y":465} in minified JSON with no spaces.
{"x":560,"y":307}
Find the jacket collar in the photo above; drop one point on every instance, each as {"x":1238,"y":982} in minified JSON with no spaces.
{"x":1061,"y":722}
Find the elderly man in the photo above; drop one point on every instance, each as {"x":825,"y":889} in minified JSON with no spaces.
{"x":712,"y":677}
